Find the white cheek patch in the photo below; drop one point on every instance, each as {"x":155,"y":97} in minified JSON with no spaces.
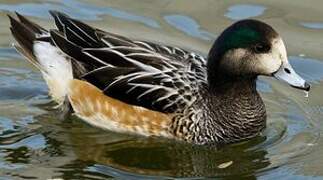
{"x":243,"y":61}
{"x":267,"y":64}
{"x":271,"y":62}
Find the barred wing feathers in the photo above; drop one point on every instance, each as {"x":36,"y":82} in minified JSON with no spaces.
{"x":157,"y":77}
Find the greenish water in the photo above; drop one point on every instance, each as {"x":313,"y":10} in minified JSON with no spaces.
{"x":36,"y":144}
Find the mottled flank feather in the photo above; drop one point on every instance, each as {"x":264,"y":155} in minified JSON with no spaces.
{"x":97,"y":109}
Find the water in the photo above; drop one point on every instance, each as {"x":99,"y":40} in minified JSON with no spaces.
{"x":35,"y":144}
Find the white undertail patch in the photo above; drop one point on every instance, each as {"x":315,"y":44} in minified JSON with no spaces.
{"x":56,"y":68}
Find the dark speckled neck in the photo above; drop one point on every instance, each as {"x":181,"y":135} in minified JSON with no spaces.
{"x":232,"y":113}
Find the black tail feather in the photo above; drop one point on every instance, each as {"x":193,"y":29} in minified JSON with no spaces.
{"x":26,"y":32}
{"x":23,"y":35}
{"x":32,"y":26}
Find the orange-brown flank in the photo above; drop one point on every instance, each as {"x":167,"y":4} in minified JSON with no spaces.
{"x":90,"y":104}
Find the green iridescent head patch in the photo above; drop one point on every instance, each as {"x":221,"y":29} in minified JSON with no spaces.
{"x":241,"y":38}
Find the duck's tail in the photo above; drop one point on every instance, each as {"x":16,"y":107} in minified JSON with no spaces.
{"x":35,"y":44}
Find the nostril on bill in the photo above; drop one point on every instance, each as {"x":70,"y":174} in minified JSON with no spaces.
{"x":287,"y":70}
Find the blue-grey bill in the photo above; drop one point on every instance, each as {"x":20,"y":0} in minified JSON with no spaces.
{"x":287,"y":74}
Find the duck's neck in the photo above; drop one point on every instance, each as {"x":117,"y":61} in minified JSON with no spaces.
{"x":234,"y":110}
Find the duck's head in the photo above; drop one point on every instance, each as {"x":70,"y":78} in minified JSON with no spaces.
{"x":249,"y":48}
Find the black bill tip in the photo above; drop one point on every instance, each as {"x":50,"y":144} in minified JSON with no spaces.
{"x":306,"y":87}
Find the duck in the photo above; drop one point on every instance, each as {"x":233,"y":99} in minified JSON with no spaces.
{"x":144,"y":88}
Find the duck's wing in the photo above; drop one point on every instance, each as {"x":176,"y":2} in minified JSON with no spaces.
{"x":153,"y":76}
{"x":146,"y":79}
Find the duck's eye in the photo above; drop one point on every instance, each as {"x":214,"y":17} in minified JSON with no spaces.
{"x":261,"y":48}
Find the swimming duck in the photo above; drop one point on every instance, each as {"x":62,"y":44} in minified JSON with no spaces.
{"x":145,"y":88}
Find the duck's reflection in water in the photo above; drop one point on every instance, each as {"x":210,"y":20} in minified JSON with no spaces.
{"x":150,"y":157}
